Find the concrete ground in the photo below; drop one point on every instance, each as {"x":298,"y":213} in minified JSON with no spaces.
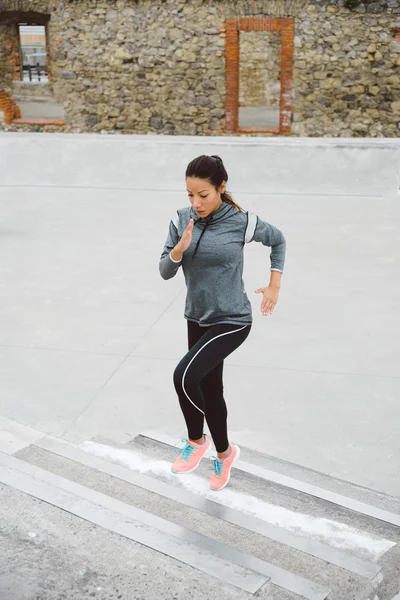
{"x":258,"y":117}
{"x":48,"y":554}
{"x":41,"y":110}
{"x":90,"y":333}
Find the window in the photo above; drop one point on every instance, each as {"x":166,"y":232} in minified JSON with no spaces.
{"x":33,"y":53}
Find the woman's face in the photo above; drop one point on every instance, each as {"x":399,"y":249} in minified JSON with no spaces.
{"x":203,"y":196}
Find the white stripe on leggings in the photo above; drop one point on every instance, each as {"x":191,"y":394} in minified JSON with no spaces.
{"x":183,"y":378}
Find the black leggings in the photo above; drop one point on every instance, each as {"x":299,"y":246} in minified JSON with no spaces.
{"x":198,"y":379}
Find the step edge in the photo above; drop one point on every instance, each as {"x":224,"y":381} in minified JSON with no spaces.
{"x":296,"y":484}
{"x":316,"y":549}
{"x":288,"y":464}
{"x":55,"y":496}
{"x":299,"y":585}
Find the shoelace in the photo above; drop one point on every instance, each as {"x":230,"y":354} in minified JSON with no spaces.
{"x":217,"y":466}
{"x":187,"y":450}
{"x":185,"y":440}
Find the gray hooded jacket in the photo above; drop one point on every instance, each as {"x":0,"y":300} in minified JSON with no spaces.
{"x":213,"y":263}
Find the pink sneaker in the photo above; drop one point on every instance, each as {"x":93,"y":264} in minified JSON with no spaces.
{"x":222,"y":469}
{"x":191,"y":456}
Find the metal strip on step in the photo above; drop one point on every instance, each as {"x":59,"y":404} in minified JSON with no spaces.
{"x":300,"y":486}
{"x":294,"y":583}
{"x":215,"y":509}
{"x":113,"y":520}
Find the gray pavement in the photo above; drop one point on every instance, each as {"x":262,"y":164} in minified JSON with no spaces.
{"x":90,"y":335}
{"x":49,"y":554}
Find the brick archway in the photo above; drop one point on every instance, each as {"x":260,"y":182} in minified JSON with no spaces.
{"x":233,"y":29}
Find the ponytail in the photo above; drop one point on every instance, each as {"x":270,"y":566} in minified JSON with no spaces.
{"x":226,"y":197}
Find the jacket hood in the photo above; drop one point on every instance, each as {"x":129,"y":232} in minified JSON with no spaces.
{"x":223,"y":212}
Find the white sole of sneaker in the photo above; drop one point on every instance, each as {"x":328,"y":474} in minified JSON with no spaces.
{"x":229,"y":475}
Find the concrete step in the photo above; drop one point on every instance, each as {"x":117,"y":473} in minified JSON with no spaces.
{"x":360,"y":500}
{"x":210,"y":507}
{"x":156,"y":511}
{"x":126,"y":520}
{"x":337,"y":514}
{"x":274,"y":531}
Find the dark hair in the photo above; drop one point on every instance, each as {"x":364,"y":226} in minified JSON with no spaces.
{"x":211,"y":168}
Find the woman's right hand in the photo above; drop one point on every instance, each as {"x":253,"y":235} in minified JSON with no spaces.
{"x":186,"y":238}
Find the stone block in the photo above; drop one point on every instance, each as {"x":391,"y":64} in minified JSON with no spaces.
{"x":358,"y":89}
{"x":395,"y":106}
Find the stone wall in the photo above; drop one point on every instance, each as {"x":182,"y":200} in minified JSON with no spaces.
{"x":7,"y":53}
{"x":347,"y":73}
{"x":157,"y":67}
{"x":128,"y":66}
{"x":360,"y":6}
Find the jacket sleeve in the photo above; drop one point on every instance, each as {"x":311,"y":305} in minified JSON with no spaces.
{"x":168,"y":266}
{"x":268,"y":235}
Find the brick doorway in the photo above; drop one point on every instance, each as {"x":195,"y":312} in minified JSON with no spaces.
{"x":12,"y":22}
{"x":285,"y":27}
{"x":26,"y":98}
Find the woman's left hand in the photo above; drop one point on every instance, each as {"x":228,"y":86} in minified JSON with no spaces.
{"x":270,"y":298}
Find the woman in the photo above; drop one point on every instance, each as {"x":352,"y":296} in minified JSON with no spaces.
{"x":207,"y":240}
